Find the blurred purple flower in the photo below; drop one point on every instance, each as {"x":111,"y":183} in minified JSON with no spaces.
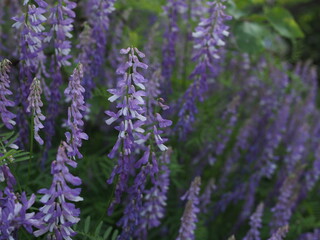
{"x":209,"y":37}
{"x":189,"y":218}
{"x":255,"y":224}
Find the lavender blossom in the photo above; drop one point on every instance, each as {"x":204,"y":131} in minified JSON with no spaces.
{"x":14,"y":208}
{"x":153,"y":208}
{"x":209,"y":37}
{"x":205,"y":198}
{"x":35,"y":105}
{"x":14,"y":214}
{"x":94,"y":39}
{"x":282,"y":211}
{"x":231,"y":117}
{"x":6,"y":116}
{"x":171,"y":9}
{"x":32,"y":34}
{"x":75,"y":93}
{"x":130,"y":114}
{"x":280,"y":233}
{"x":189,"y":218}
{"x":255,"y":224}
{"x":59,"y":213}
{"x":61,"y":18}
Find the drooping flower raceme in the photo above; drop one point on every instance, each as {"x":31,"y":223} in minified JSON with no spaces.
{"x":14,"y":208}
{"x":75,"y":93}
{"x":6,"y":116}
{"x":155,"y":199}
{"x":189,"y":218}
{"x":14,"y":213}
{"x":255,"y":224}
{"x":35,"y":105}
{"x":129,"y":95}
{"x":31,"y":31}
{"x":61,"y":17}
{"x":280,"y":233}
{"x":94,"y":39}
{"x":209,"y":38}
{"x":59,"y":213}
{"x":171,"y":9}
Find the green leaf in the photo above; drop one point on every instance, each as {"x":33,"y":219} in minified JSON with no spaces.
{"x":114,"y":235}
{"x":87,"y":224}
{"x":107,"y":233}
{"x":235,"y":11}
{"x":249,"y":37}
{"x":283,"y":22}
{"x":98,"y":229}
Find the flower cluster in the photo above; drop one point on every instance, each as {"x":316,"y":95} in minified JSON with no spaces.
{"x":208,"y":39}
{"x":255,"y":224}
{"x":189,"y":218}
{"x":6,"y":116}
{"x":59,"y":212}
{"x":14,"y":208}
{"x":35,"y":105}
{"x":61,"y":17}
{"x":75,"y":93}
{"x":129,"y":93}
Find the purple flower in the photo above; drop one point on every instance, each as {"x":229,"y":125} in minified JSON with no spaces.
{"x":94,"y":39}
{"x":35,"y":105}
{"x":154,"y":205}
{"x":14,"y":214}
{"x":282,"y":211}
{"x":59,"y":213}
{"x":75,"y":93}
{"x":208,"y":37}
{"x":129,"y":94}
{"x":6,"y":116}
{"x":62,"y":17}
{"x":14,"y":208}
{"x":280,"y":233}
{"x":171,"y":9}
{"x":255,"y":224}
{"x":31,"y":34}
{"x":189,"y":218}
{"x":205,"y":198}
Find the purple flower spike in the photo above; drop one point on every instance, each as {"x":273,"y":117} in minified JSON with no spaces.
{"x":130,"y":97}
{"x":6,"y":116}
{"x":59,"y":213}
{"x":62,"y":17}
{"x":189,"y":218}
{"x":14,"y":214}
{"x":280,"y":233}
{"x":172,"y":10}
{"x":209,"y":40}
{"x":35,"y":105}
{"x":255,"y":224}
{"x":75,"y":93}
{"x":153,"y":209}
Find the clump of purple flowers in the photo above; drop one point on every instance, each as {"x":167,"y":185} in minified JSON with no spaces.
{"x":35,"y":105}
{"x":75,"y":93}
{"x":209,"y":37}
{"x":59,"y":213}
{"x":129,"y":94}
{"x":6,"y":116}
{"x":189,"y":218}
{"x":255,"y":224}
